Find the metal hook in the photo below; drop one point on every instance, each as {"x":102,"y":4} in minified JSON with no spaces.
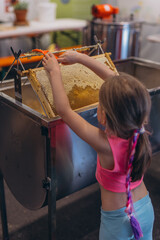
{"x":16,"y":57}
{"x":99,"y":43}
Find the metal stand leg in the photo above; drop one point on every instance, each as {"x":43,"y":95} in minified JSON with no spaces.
{"x":3,"y":210}
{"x":51,"y":179}
{"x":52,"y":214}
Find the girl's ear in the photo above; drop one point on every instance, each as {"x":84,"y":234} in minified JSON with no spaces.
{"x":103,"y":118}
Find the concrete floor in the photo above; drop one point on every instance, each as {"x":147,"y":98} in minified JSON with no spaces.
{"x":77,"y":215}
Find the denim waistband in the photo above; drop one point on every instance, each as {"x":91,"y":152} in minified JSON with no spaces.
{"x":137,"y":205}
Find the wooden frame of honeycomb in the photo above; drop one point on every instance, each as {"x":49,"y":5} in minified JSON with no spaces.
{"x":80,"y":83}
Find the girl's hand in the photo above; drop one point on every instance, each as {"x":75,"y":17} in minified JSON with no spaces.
{"x":50,"y":62}
{"x":69,"y":57}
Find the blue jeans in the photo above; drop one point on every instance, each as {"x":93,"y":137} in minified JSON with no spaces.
{"x":115,"y":225}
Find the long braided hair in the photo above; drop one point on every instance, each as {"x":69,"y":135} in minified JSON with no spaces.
{"x":129,"y":206}
{"x":127,"y":105}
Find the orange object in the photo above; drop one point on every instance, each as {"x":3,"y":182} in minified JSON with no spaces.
{"x":7,"y":61}
{"x":40,"y":51}
{"x":104,"y":11}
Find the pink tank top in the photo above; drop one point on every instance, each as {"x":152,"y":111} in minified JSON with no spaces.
{"x":115,"y":180}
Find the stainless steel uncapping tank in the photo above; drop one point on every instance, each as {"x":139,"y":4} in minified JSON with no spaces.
{"x":42,"y":159}
{"x":121,"y":38}
{"x":35,"y":149}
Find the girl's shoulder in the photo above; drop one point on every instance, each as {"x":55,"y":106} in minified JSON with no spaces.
{"x":105,"y":155}
{"x":104,"y":143}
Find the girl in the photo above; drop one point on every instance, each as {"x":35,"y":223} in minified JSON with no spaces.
{"x":123,"y":149}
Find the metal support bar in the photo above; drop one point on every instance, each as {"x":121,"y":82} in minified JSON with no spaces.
{"x":85,"y":48}
{"x":16,"y":58}
{"x":3,"y":210}
{"x":17,"y":85}
{"x":52,"y":208}
{"x":99,"y":43}
{"x":51,"y":173}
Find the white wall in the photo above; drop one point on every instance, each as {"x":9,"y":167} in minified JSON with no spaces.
{"x":2,"y":6}
{"x":147,"y":10}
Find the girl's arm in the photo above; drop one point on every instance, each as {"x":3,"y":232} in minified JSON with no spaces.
{"x":81,"y":127}
{"x":71,"y":57}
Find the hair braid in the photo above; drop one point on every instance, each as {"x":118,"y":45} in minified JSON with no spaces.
{"x":129,"y":206}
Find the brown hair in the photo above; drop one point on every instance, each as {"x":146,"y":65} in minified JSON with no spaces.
{"x":127,"y":105}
